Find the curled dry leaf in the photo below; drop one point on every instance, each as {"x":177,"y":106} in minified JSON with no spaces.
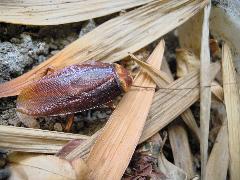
{"x":33,"y":166}
{"x":108,"y":42}
{"x":187,"y":62}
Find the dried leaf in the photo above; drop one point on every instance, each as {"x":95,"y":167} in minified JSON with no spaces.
{"x":110,"y":43}
{"x":49,"y":12}
{"x":232,"y":101}
{"x":34,"y":140}
{"x":33,"y":166}
{"x":205,"y":91}
{"x":123,"y":130}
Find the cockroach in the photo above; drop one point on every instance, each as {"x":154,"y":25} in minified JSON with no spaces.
{"x":73,"y":89}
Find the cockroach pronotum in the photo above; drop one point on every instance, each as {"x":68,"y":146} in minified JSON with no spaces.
{"x":73,"y":89}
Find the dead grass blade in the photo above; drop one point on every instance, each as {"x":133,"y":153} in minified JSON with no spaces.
{"x":112,"y":40}
{"x":34,"y":166}
{"x":172,"y":100}
{"x":218,"y":161}
{"x":232,"y":101}
{"x":47,"y":12}
{"x":34,"y":140}
{"x":123,"y":130}
{"x":181,"y":149}
{"x":205,"y":90}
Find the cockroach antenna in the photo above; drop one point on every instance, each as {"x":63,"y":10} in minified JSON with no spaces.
{"x":133,"y":56}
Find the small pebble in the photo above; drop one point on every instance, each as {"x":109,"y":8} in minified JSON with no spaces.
{"x":58,"y":127}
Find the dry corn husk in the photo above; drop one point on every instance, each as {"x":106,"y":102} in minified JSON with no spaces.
{"x":112,"y":40}
{"x":232,"y":101}
{"x":47,"y":12}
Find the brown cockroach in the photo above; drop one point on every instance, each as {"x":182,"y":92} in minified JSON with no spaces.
{"x":73,"y":89}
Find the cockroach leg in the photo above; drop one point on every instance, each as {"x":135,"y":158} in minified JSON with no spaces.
{"x":49,"y":70}
{"x":110,"y":105}
{"x":69,"y":124}
{"x":27,"y":120}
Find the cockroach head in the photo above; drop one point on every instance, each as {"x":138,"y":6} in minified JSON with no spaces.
{"x":125,"y":77}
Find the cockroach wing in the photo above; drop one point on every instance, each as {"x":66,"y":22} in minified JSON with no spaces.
{"x":72,"y":89}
